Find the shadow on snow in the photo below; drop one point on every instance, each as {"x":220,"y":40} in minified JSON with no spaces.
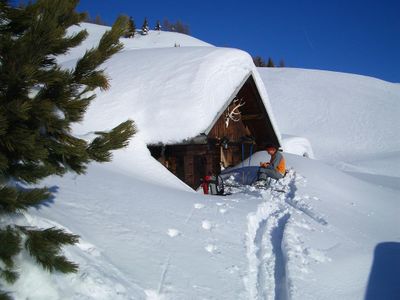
{"x":384,"y":278}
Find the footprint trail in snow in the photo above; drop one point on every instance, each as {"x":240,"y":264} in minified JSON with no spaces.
{"x":268,"y":243}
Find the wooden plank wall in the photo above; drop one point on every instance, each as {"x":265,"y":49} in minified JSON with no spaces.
{"x":233,"y":132}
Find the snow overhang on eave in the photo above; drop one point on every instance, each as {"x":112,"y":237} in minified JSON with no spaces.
{"x":200,"y":139}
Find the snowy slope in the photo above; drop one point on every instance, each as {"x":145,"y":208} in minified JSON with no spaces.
{"x":146,"y":235}
{"x":345,"y":116}
{"x":170,"y":244}
{"x":352,"y":121}
{"x":154,"y":39}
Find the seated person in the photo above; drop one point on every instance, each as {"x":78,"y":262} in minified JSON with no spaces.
{"x":275,"y":168}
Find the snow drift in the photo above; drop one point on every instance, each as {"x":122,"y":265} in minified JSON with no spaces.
{"x":346,"y":117}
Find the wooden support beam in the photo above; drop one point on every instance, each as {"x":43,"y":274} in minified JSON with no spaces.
{"x":253,"y":117}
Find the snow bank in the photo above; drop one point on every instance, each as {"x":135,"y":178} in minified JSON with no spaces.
{"x":297,"y":145}
{"x":97,"y":278}
{"x":140,"y":237}
{"x":345,"y":117}
{"x":162,"y":241}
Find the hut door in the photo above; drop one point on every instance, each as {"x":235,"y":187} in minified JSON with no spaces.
{"x":180,"y":167}
{"x":199,"y":169}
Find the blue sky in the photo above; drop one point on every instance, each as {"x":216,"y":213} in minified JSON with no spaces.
{"x":354,"y":36}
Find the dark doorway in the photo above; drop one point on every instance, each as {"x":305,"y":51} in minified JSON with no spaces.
{"x":199,"y":168}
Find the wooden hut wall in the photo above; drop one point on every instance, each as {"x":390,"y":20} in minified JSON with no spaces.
{"x":234,"y":131}
{"x":188,"y":162}
{"x":255,"y":116}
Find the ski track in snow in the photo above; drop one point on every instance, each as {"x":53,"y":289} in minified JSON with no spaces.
{"x":299,"y":204}
{"x":163,"y":274}
{"x":267,"y":276}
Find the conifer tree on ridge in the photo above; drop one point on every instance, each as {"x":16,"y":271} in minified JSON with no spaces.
{"x":158,"y":26}
{"x":270,"y":63}
{"x":131,"y":30}
{"x":145,"y":27}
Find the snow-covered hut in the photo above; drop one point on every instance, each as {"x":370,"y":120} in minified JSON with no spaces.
{"x":239,"y":127}
{"x":195,"y":107}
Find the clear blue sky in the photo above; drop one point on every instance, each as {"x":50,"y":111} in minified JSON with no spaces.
{"x":353,"y":36}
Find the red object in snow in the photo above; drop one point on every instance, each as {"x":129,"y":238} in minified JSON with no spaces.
{"x":204,"y":185}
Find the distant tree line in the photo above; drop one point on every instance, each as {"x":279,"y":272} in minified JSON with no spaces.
{"x":178,"y":26}
{"x":260,"y":62}
{"x":131,"y":31}
{"x":96,"y":20}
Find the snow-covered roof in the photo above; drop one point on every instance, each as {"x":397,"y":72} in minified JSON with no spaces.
{"x":172,"y":93}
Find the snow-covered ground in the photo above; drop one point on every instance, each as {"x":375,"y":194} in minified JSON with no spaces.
{"x":345,"y":116}
{"x":349,"y":119}
{"x":320,"y":233}
{"x":318,"y":240}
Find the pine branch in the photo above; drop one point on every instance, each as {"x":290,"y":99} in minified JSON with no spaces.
{"x":31,"y":172}
{"x":70,"y":151}
{"x":5,"y":296}
{"x":108,"y":45}
{"x":45,"y":247}
{"x":13,"y":200}
{"x":75,"y":108}
{"x":8,"y":275}
{"x":95,"y":79}
{"x":3,"y":122}
{"x":10,"y":242}
{"x":99,"y":149}
{"x":3,"y":165}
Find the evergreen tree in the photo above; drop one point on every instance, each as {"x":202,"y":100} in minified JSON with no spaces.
{"x":145,"y":27}
{"x":97,"y":20}
{"x":158,"y":26}
{"x":270,"y":63}
{"x":182,"y":27}
{"x":176,"y":27}
{"x":39,"y":101}
{"x":259,"y":61}
{"x":130,"y":32}
{"x":282,"y":63}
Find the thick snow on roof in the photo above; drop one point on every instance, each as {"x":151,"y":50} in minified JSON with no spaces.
{"x":171,"y":93}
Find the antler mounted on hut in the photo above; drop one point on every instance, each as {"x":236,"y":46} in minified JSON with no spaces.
{"x":234,"y":114}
